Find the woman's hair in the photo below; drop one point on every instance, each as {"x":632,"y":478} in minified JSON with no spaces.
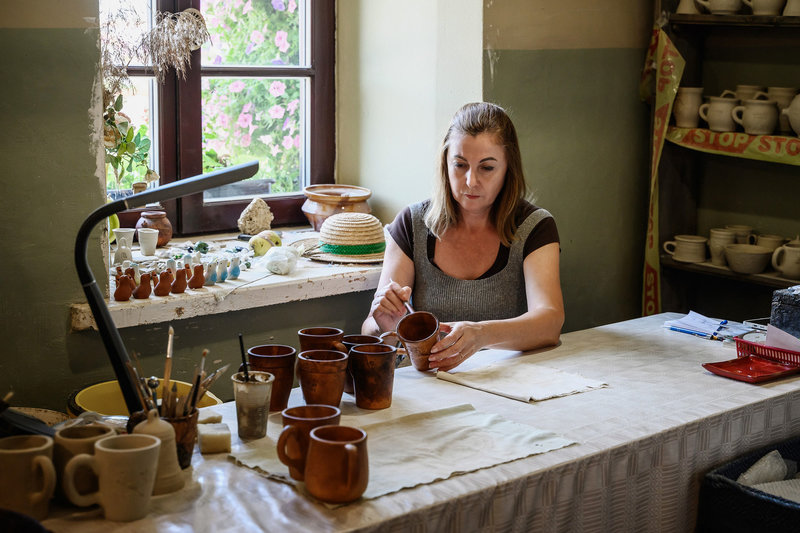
{"x":473,"y":119}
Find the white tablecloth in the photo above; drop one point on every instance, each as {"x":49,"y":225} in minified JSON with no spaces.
{"x":644,"y":443}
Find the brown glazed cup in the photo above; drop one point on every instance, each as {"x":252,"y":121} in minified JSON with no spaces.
{"x":278,"y":360}
{"x":418,"y":332}
{"x":349,"y":341}
{"x":297,"y":424}
{"x":373,"y":374}
{"x":337,"y":465}
{"x":321,"y":374}
{"x":321,"y":338}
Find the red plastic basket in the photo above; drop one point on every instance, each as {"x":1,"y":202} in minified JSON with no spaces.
{"x":746,"y":348}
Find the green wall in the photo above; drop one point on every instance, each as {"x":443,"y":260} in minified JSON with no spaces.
{"x":584,"y":140}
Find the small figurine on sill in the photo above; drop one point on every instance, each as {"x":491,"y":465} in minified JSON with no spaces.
{"x":123,"y":252}
{"x":211,"y":273}
{"x":172,"y":265}
{"x":125,"y":287}
{"x":142,"y":291}
{"x":234,"y":270}
{"x":179,"y":285}
{"x":198,"y":278}
{"x":164,"y":284}
{"x":187,"y":260}
{"x":137,"y":277}
{"x":222,"y":271}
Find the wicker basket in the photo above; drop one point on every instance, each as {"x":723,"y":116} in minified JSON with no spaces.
{"x":730,"y":507}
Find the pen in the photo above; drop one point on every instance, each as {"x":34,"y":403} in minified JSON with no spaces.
{"x":714,"y":335}
{"x":690,"y":332}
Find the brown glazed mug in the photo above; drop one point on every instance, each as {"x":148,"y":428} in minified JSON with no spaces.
{"x":321,"y":338}
{"x":373,"y":374}
{"x":278,"y":360}
{"x":27,"y":475}
{"x":337,"y":465}
{"x":321,"y":374}
{"x":349,"y":341}
{"x":297,"y":424}
{"x":418,"y":331}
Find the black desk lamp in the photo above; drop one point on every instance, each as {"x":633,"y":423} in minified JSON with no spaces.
{"x":105,"y":324}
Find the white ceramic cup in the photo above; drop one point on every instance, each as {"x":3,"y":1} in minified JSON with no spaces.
{"x":786,"y":259}
{"x":27,"y":475}
{"x":765,"y":7}
{"x":722,"y":7}
{"x":758,"y":117}
{"x":124,"y":232}
{"x":770,"y":241}
{"x":125,"y":466}
{"x":687,"y":248}
{"x":719,"y":238}
{"x":717,"y":112}
{"x":75,"y":440}
{"x":148,"y":239}
{"x":744,"y":234}
{"x":687,"y":106}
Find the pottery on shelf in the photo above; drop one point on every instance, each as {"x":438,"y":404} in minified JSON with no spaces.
{"x":156,"y":220}
{"x":125,"y":287}
{"x":142,"y":291}
{"x":164,"y":284}
{"x":324,"y":200}
{"x":747,"y":258}
{"x":198,"y":279}
{"x":179,"y":285}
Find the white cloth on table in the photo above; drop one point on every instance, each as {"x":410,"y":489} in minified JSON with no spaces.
{"x":520,"y":380}
{"x":425,"y":447}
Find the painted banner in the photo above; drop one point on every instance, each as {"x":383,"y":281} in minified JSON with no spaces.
{"x":772,"y":148}
{"x":666,"y":65}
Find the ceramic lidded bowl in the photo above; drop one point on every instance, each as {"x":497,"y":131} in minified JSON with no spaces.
{"x":324,"y":200}
{"x":747,"y":258}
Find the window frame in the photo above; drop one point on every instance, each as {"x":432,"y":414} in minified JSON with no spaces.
{"x":180,"y":128}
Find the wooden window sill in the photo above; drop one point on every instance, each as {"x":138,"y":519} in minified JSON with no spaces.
{"x":256,"y":287}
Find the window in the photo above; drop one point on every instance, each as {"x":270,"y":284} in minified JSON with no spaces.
{"x":261,"y":88}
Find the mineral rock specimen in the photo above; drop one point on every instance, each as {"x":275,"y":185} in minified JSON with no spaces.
{"x":256,"y":217}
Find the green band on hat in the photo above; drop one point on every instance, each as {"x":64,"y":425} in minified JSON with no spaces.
{"x":353,"y":249}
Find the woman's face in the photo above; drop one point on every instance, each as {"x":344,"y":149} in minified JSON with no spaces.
{"x":476,"y":170}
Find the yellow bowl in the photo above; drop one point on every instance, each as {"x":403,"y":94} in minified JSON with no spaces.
{"x":106,"y":398}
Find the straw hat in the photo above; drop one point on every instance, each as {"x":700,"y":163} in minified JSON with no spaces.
{"x":348,"y":237}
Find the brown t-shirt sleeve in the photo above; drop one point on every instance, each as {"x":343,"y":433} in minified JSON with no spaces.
{"x":401,"y":231}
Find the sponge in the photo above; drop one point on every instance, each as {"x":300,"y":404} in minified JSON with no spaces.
{"x":214,"y":438}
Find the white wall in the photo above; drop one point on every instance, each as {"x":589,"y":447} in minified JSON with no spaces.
{"x":403,"y":69}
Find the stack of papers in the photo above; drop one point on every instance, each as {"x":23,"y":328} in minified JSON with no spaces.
{"x":710,"y":328}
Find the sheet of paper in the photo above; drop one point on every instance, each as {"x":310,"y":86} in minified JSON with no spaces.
{"x":777,"y":338}
{"x":707,"y":326}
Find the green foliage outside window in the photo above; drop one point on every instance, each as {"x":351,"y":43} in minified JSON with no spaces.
{"x":253,"y":118}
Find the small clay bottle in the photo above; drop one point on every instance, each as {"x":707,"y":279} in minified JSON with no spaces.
{"x":142,"y":291}
{"x":124,"y":288}
{"x":198,"y":279}
{"x":179,"y":285}
{"x":164,"y":284}
{"x":168,"y":475}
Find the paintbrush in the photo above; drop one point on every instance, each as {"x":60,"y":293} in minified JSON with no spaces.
{"x":167,"y":367}
{"x":203,"y":364}
{"x":244,"y":365}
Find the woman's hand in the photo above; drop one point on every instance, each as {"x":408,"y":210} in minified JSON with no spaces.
{"x":387,"y":305}
{"x":463,"y":339}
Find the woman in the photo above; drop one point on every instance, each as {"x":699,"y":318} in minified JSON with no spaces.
{"x":477,"y":255}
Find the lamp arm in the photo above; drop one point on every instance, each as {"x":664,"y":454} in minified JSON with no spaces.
{"x":105,"y":324}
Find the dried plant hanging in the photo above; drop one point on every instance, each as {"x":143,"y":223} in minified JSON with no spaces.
{"x":121,"y":43}
{"x":171,"y":42}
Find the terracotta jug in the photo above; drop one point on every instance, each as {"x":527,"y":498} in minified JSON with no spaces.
{"x":156,"y":220}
